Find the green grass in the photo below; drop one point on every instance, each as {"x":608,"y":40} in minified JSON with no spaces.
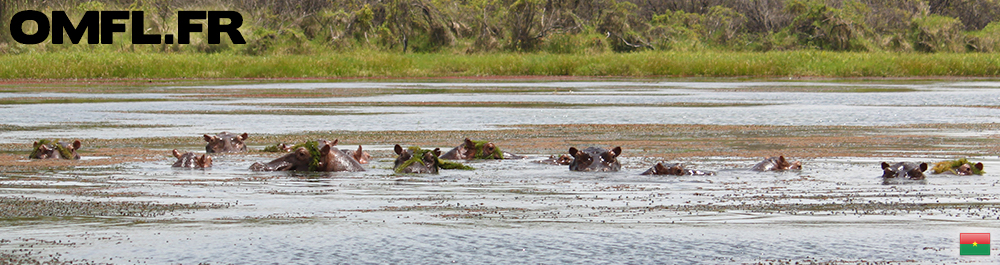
{"x":104,"y":65}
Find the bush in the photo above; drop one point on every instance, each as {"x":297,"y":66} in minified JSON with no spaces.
{"x":936,"y":33}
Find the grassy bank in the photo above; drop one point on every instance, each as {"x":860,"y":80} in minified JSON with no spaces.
{"x":362,"y":64}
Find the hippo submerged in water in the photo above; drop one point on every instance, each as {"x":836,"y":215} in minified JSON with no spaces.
{"x":45,"y":149}
{"x":676,"y":169}
{"x":359,"y":155}
{"x":225,"y":143}
{"x":776,"y":163}
{"x":192,"y":160}
{"x":903,"y":171}
{"x":470,"y":149}
{"x":562,"y":160}
{"x":422,"y":161}
{"x":961,"y":167}
{"x":312,"y":156}
{"x":595,"y":159}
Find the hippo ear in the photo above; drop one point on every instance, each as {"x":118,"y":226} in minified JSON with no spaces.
{"x":35,"y":144}
{"x":77,"y":145}
{"x":659,"y":168}
{"x":334,"y":143}
{"x":437,"y":152}
{"x":325,"y":149}
{"x":176,"y":153}
{"x":573,"y":152}
{"x":923,"y":167}
{"x":781,"y":159}
{"x":979,"y":166}
{"x":398,"y":149}
{"x":244,"y":136}
{"x":617,"y":151}
{"x":359,"y":149}
{"x":885,"y":165}
{"x":469,"y":143}
{"x":209,"y":138}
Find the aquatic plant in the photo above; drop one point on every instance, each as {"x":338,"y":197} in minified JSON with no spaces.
{"x":417,"y":154}
{"x":950,"y":166}
{"x":65,"y":153}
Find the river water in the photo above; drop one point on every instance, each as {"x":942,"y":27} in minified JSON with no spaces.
{"x":516,"y":211}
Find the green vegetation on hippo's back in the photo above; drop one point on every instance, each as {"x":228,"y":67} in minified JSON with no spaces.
{"x":497,"y":153}
{"x":313,"y":147}
{"x":418,"y":154}
{"x":950,"y":166}
{"x":65,"y":153}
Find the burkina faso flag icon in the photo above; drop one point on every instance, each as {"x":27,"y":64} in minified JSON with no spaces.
{"x":974,"y":244}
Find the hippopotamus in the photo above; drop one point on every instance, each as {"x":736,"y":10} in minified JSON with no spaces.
{"x":553,"y":160}
{"x":470,"y":150}
{"x":776,"y":163}
{"x":961,"y":167}
{"x":225,"y":143}
{"x":44,"y":149}
{"x":192,"y":160}
{"x":416,"y":160}
{"x":583,"y":160}
{"x":676,"y":169}
{"x":903,"y":170}
{"x":359,"y":155}
{"x":312,"y":156}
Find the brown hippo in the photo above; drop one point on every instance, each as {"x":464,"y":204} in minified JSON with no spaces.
{"x":776,"y":163}
{"x":903,"y":170}
{"x":676,"y":169}
{"x":553,"y":160}
{"x":584,"y":160}
{"x":317,"y":155}
{"x":45,"y":149}
{"x":359,"y":155}
{"x":470,"y":149}
{"x":416,"y":160}
{"x":225,"y":142}
{"x":961,"y":167}
{"x":192,"y":160}
{"x":422,"y":161}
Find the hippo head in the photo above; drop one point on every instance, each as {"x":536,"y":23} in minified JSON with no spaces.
{"x":361,"y":156}
{"x":332,"y":159}
{"x":415,"y":160}
{"x":474,"y":150}
{"x":564,"y":159}
{"x":489,"y":150}
{"x":966,"y":169}
{"x":595,"y":159}
{"x":676,"y":169}
{"x":190,"y":159}
{"x":44,"y":150}
{"x":905,"y":170}
{"x":225,"y":143}
{"x":783,"y":164}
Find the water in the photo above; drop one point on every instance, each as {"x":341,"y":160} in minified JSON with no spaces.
{"x":517,"y":211}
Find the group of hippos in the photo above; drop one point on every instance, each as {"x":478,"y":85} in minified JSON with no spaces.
{"x":321,"y":155}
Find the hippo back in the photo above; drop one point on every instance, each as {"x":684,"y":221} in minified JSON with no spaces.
{"x":225,"y":142}
{"x":595,"y":159}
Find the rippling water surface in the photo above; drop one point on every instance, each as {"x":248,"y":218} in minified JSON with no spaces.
{"x":517,"y":211}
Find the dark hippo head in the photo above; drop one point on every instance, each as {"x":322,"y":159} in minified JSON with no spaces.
{"x":332,"y":159}
{"x":676,"y":169}
{"x":360,"y":155}
{"x":225,"y":143}
{"x":474,"y":150}
{"x":595,"y":159}
{"x":416,"y":160}
{"x":44,"y":149}
{"x":903,"y":170}
{"x":192,"y":160}
{"x":777,"y":163}
{"x":298,"y":160}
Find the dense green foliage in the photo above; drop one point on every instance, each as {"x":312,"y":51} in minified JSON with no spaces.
{"x":306,"y":27}
{"x":417,"y":155}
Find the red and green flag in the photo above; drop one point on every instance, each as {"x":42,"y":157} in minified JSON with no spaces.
{"x":974,"y":244}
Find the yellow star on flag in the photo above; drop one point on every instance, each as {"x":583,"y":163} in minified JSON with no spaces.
{"x":974,"y":243}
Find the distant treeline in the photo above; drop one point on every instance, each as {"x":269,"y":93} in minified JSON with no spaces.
{"x":554,"y":26}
